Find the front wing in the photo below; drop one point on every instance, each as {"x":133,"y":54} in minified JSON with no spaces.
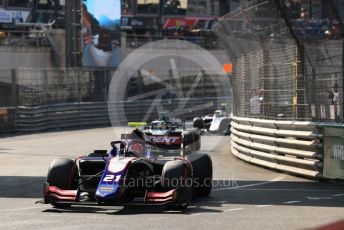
{"x":56,"y":195}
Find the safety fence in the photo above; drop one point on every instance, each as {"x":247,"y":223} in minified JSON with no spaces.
{"x":287,"y":65}
{"x":36,"y":87}
{"x":47,"y":99}
{"x":287,"y":82}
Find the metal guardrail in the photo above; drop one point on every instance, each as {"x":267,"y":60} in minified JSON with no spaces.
{"x":92,"y":114}
{"x":294,"y":147}
{"x":71,"y":115}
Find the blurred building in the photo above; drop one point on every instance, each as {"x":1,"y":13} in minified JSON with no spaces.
{"x":154,"y":15}
{"x":142,"y":20}
{"x":31,"y":11}
{"x":318,"y":9}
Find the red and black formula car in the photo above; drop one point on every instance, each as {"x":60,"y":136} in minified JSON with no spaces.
{"x":133,"y":172}
{"x":169,"y":134}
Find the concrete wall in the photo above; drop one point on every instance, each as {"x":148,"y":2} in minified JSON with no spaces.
{"x":58,"y":36}
{"x":12,"y":57}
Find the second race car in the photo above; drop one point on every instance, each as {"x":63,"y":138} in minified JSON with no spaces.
{"x":169,"y":134}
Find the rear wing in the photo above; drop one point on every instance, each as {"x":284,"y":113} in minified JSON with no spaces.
{"x":136,"y":124}
{"x":160,"y":141}
{"x":175,"y":140}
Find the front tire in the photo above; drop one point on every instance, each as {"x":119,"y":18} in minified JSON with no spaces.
{"x":202,"y":173}
{"x":62,"y":173}
{"x":198,"y":123}
{"x":175,"y":174}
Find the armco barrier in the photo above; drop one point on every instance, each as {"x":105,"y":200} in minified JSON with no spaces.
{"x":88,"y":114}
{"x":71,"y":115}
{"x":294,"y":147}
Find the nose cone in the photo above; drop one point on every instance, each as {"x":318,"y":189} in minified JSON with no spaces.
{"x":108,"y":192}
{"x":111,"y":184}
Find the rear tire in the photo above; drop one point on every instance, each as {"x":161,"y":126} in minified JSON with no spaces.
{"x":197,"y":142}
{"x":192,"y":140}
{"x":224,"y":126}
{"x":62,"y":173}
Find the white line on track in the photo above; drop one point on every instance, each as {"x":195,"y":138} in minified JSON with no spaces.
{"x":233,"y":209}
{"x":290,"y":189}
{"x":279,"y":178}
{"x":217,"y":202}
{"x":18,"y":209}
{"x":319,"y":198}
{"x":336,"y":195}
{"x":292,"y":202}
{"x":196,"y":214}
{"x":263,"y":205}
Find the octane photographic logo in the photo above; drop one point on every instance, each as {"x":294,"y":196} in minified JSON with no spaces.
{"x":171,"y":77}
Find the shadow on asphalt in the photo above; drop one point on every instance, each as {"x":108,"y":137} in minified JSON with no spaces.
{"x":136,"y":209}
{"x":21,"y":186}
{"x":132,"y":210}
{"x":312,"y":193}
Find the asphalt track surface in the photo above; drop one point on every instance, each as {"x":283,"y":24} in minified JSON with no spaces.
{"x":243,"y":197}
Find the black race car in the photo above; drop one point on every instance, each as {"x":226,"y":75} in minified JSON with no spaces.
{"x":133,"y":172}
{"x":168,"y":134}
